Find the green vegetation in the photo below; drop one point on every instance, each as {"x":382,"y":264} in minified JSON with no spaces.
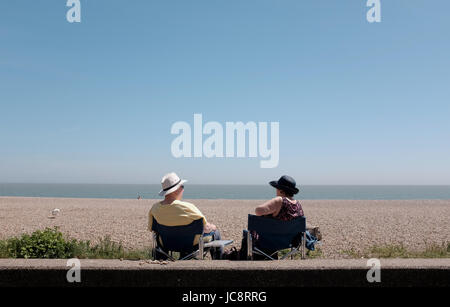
{"x":317,"y":253}
{"x":40,"y":244}
{"x":399,"y":251}
{"x":351,"y":253}
{"x":3,"y":250}
{"x":50,"y":243}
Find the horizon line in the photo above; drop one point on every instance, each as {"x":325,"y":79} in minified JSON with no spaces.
{"x":218,"y":184}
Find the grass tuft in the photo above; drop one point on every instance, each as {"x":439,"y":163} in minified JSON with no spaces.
{"x":400,"y":251}
{"x":317,"y":253}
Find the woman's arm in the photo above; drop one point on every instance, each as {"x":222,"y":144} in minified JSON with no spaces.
{"x":272,"y":206}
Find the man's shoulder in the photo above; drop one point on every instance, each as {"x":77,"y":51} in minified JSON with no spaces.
{"x":156,"y":205}
{"x":185,"y":204}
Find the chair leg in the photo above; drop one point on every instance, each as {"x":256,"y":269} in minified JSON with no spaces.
{"x":260,"y":252}
{"x":304,"y":245}
{"x":292,"y":253}
{"x":191,"y":255}
{"x":154,"y":246}
{"x":158,"y":250}
{"x":201,"y":248}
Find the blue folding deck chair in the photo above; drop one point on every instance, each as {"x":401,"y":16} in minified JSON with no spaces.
{"x":180,"y":239}
{"x":276,"y":235}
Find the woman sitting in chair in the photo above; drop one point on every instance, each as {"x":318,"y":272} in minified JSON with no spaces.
{"x":282,"y":207}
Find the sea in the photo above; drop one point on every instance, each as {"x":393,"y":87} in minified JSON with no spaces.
{"x":203,"y":191}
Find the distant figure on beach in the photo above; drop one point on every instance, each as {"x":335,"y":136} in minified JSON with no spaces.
{"x":173,"y":212}
{"x":139,"y":197}
{"x":283,"y":207}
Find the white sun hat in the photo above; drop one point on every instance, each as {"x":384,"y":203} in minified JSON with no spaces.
{"x":170,"y":183}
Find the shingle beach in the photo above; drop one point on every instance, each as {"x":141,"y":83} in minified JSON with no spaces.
{"x":345,"y":224}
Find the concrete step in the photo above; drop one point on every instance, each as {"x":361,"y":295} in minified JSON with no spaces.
{"x":196,"y":273}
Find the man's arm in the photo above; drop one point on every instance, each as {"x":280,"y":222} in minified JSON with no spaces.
{"x":195,"y":214}
{"x":209,"y":228}
{"x":272,"y":206}
{"x":150,"y":220}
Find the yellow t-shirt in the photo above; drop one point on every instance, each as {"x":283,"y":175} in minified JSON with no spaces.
{"x":178,"y":213}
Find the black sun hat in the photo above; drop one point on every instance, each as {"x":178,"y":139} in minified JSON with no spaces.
{"x":286,"y":184}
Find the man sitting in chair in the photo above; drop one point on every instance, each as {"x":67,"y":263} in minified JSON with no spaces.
{"x":173,"y":212}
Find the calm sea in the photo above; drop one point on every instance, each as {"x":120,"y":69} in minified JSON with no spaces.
{"x":196,"y":191}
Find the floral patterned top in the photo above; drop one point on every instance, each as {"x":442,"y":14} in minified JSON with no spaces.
{"x":289,"y":210}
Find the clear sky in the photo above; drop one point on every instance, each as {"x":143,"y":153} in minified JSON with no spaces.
{"x":93,"y":102}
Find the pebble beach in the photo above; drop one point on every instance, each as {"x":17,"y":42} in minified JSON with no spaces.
{"x":345,"y":224}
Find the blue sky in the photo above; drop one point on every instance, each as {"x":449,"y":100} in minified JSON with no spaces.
{"x":93,"y":102}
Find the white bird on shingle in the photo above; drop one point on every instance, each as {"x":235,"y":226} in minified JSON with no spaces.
{"x":56,"y":211}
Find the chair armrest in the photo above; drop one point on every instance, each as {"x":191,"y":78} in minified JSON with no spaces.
{"x":218,"y":243}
